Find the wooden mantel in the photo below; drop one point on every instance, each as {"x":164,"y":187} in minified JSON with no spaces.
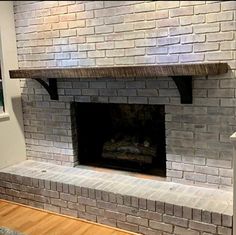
{"x":181,"y":73}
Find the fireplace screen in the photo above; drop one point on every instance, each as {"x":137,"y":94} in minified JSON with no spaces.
{"x":122,"y":136}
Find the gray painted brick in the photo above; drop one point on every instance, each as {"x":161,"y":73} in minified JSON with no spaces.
{"x":86,"y":201}
{"x":127,"y":226}
{"x":202,"y":226}
{"x":175,"y":221}
{"x":161,"y":226}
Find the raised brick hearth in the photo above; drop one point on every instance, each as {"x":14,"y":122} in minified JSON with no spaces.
{"x":135,"y":204}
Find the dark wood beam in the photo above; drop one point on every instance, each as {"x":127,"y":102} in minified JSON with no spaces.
{"x":124,"y":72}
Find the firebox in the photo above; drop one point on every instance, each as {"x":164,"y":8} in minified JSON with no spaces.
{"x":122,"y":136}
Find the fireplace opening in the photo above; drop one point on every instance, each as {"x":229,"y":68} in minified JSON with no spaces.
{"x":129,"y":137}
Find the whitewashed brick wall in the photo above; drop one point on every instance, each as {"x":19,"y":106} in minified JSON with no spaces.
{"x":115,"y":33}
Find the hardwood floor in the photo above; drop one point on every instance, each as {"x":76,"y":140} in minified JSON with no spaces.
{"x":37,"y":222}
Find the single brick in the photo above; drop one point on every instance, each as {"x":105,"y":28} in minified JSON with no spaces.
{"x":137,"y":220}
{"x":184,"y":231}
{"x":161,"y":226}
{"x":224,"y":231}
{"x":227,"y":221}
{"x":202,"y":226}
{"x":175,"y":221}
{"x":127,"y":226}
{"x":150,"y":215}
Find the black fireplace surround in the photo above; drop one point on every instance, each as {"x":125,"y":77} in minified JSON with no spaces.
{"x":128,"y":137}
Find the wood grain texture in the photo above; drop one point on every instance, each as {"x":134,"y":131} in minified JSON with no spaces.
{"x":124,"y":72}
{"x":36,"y":222}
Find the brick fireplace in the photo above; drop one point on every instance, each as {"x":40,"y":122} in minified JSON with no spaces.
{"x":106,"y":33}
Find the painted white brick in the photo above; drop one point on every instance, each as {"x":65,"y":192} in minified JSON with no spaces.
{"x":219,"y":163}
{"x":105,"y":45}
{"x":174,"y":174}
{"x":134,"y":51}
{"x":86,"y":47}
{"x":228,"y":5}
{"x":227,"y":220}
{"x":216,"y":17}
{"x":176,"y":49}
{"x":167,"y":5}
{"x":85,"y":31}
{"x":226,"y":181}
{"x":60,"y":25}
{"x":95,"y":38}
{"x":134,"y":17}
{"x":122,"y":10}
{"x":157,"y":50}
{"x":115,"y":53}
{"x":167,"y":59}
{"x":203,"y":9}
{"x":216,"y":56}
{"x":93,"y":5}
{"x":59,"y":10}
{"x":184,"y":231}
{"x":124,"y":61}
{"x":228,"y":26}
{"x":124,"y":44}
{"x":123,"y":27}
{"x":226,"y":172}
{"x":67,"y":32}
{"x":182,"y":11}
{"x":145,"y":42}
{"x":76,"y":8}
{"x":96,"y":54}
{"x":145,"y":7}
{"x":114,"y":37}
{"x":157,"y":15}
{"x":224,"y":231}
{"x":77,"y":24}
{"x":87,"y":62}
{"x":114,"y":19}
{"x":193,"y":38}
{"x":202,"y":226}
{"x":206,"y":28}
{"x":182,"y":166}
{"x":215,"y":37}
{"x":194,"y":19}
{"x":137,"y":220}
{"x":207,"y":170}
{"x":84,"y":15}
{"x":181,"y":30}
{"x":161,"y":226}
{"x":175,"y":221}
{"x":144,"y":25}
{"x":51,"y":19}
{"x":104,"y":29}
{"x":191,"y":57}
{"x":67,"y":17}
{"x":201,"y":47}
{"x":66,"y":48}
{"x":145,"y":59}
{"x":168,"y":41}
{"x":168,"y":23}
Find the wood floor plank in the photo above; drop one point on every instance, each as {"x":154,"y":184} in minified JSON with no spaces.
{"x":34,"y":222}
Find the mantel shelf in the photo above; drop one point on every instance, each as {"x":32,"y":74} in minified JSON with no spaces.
{"x":181,"y":73}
